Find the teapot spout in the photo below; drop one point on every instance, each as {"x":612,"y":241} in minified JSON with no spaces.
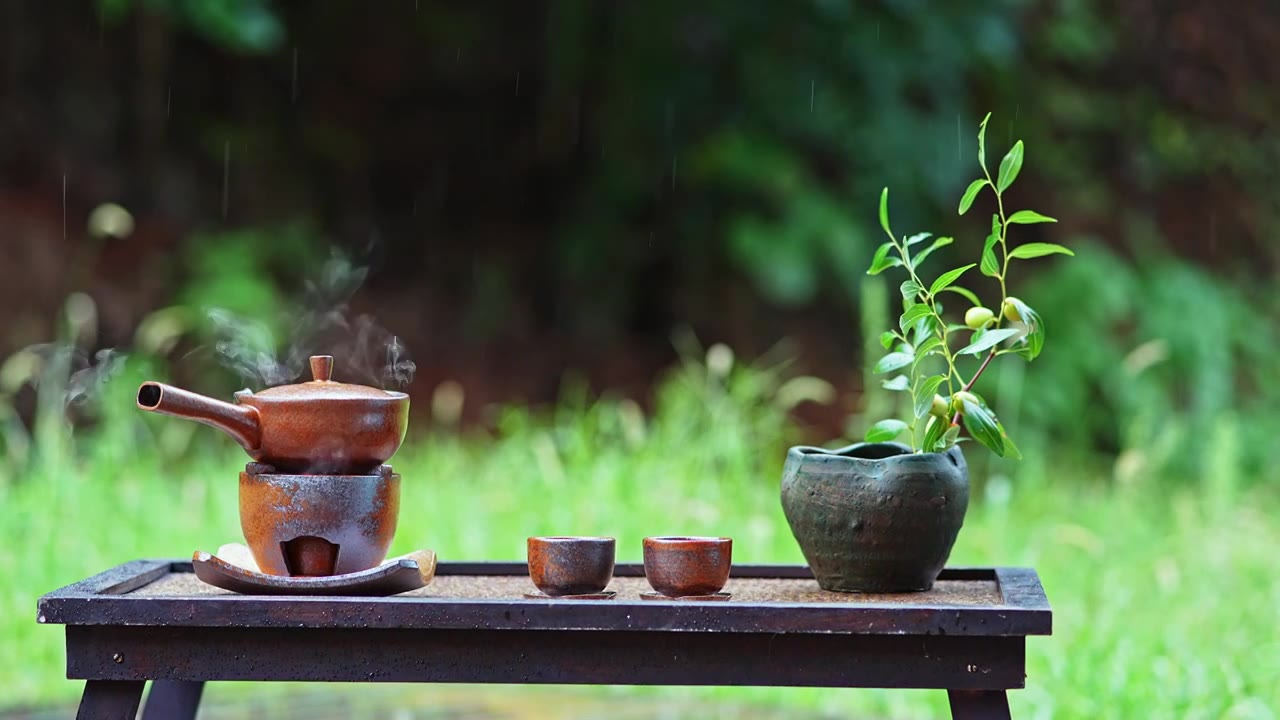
{"x":238,"y":421}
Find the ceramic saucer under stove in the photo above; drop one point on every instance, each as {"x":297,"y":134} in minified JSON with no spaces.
{"x":397,"y":575}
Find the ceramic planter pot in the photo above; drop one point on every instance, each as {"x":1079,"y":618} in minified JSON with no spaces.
{"x":875,"y":517}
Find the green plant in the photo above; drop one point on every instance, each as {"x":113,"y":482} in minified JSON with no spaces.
{"x":924,"y":333}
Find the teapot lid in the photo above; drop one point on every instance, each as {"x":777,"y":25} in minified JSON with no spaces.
{"x":321,"y":386}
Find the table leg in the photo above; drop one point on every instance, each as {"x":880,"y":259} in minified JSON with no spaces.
{"x":979,"y":704}
{"x":172,"y":700}
{"x":110,"y":700}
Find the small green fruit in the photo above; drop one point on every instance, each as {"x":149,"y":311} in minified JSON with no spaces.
{"x":960,"y":399}
{"x":941,"y":408}
{"x":978,"y":317}
{"x":1010,"y":310}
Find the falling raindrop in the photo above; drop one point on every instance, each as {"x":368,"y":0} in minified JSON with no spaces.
{"x":959,"y":141}
{"x":293,"y":88}
{"x":64,"y":206}
{"x":517,"y":83}
{"x":811,"y":87}
{"x":673,"y":170}
{"x":168,"y":102}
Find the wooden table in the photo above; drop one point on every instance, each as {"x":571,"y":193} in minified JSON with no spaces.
{"x":153,"y":620}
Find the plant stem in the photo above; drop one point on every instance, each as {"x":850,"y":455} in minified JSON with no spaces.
{"x":983,"y":366}
{"x":953,"y":373}
{"x":969,"y":385}
{"x":1004,"y":293}
{"x":1004,"y":248}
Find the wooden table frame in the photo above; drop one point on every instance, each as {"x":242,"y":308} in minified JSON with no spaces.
{"x":117,"y":641}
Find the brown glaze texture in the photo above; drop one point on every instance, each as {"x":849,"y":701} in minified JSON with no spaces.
{"x":403,"y":574}
{"x":677,"y":566}
{"x":561,"y":566}
{"x":318,"y":525}
{"x":318,"y":427}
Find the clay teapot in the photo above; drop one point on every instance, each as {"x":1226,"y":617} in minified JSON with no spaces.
{"x":321,"y":426}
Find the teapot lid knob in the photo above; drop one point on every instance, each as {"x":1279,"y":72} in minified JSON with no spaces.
{"x":321,"y":367}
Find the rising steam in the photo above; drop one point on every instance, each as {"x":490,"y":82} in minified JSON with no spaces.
{"x":364,"y":351}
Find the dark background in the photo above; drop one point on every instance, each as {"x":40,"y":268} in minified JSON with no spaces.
{"x":548,"y":186}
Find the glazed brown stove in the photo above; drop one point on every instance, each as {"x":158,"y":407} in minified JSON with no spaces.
{"x":152,"y":620}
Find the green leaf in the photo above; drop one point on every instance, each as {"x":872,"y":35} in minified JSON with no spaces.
{"x":963,"y":292}
{"x":924,"y":396}
{"x":991,"y":266}
{"x":981,"y":424}
{"x":923,"y":329}
{"x":885,"y":430}
{"x":913,"y":315}
{"x":893,"y":361}
{"x":950,"y":437}
{"x":933,"y":434}
{"x":886,"y":339}
{"x":926,"y":349}
{"x":1033,"y":343}
{"x":1010,"y":450}
{"x":987,"y":339}
{"x":1010,"y":166}
{"x":883,"y":260}
{"x":1035,"y":250}
{"x":918,"y":238}
{"x":1029,"y":217}
{"x":910,"y":290}
{"x":947,"y":278}
{"x":884,"y":211}
{"x":971,"y":193}
{"x":940,"y":242}
{"x":982,"y":141}
{"x":929,"y":346}
{"x":897,"y":383}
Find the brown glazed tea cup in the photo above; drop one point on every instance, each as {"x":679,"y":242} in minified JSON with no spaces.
{"x":562,"y":566}
{"x":678,"y":566}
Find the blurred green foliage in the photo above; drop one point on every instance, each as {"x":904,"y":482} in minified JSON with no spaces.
{"x":248,"y":26}
{"x":730,"y":140}
{"x":1165,"y":352}
{"x":251,"y":273}
{"x":727,"y":140}
{"x":764,"y":132}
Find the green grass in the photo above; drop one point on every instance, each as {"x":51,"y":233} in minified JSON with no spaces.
{"x":1166,"y":605}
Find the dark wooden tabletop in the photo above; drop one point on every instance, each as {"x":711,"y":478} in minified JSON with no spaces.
{"x":989,"y":602}
{"x":154,"y":621}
